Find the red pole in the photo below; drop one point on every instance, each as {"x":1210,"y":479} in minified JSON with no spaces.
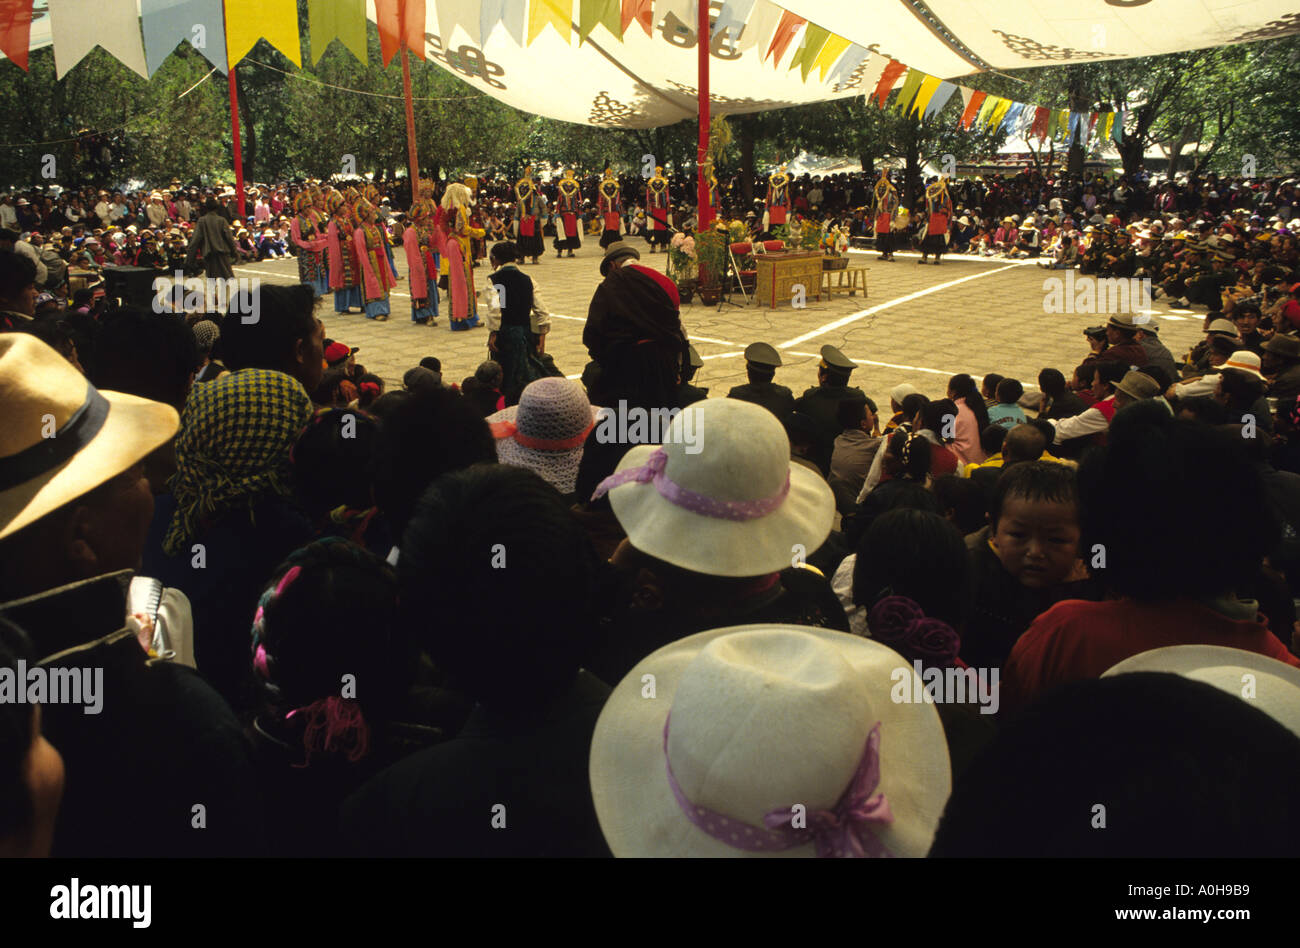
{"x":412,"y":160}
{"x":234,"y":137}
{"x":705,"y":212}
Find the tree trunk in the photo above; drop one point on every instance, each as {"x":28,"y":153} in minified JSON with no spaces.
{"x":912,"y":185}
{"x":248,"y":138}
{"x":747,"y":166}
{"x":1078,"y":153}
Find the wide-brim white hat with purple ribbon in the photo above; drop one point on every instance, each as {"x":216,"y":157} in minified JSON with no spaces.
{"x":1266,"y":683}
{"x":721,"y":496}
{"x":769,"y":741}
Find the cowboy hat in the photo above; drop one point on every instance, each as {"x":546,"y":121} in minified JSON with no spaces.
{"x":1280,"y":344}
{"x":94,"y":437}
{"x":1138,"y":385}
{"x":755,"y":720}
{"x":546,"y":431}
{"x":1274,"y":685}
{"x":688,"y":487}
{"x":617,"y":251}
{"x":1243,"y":360}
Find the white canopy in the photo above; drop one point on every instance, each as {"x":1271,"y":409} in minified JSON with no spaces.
{"x":648,"y":80}
{"x":633,"y":63}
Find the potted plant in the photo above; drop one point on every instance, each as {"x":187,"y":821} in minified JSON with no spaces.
{"x":711,"y":261}
{"x":683,"y":267}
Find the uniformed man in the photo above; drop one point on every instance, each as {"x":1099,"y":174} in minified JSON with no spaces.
{"x":688,"y":394}
{"x":822,"y":402}
{"x":761,"y":363}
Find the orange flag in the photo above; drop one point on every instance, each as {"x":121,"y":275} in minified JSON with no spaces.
{"x":784,"y":35}
{"x":640,"y":10}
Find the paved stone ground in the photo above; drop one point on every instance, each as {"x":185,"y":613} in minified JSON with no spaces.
{"x":919,"y":324}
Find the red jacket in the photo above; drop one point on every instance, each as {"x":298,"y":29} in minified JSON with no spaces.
{"x":1076,"y":640}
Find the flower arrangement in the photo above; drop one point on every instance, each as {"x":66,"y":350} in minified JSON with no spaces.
{"x":682,"y":262}
{"x":833,"y":241}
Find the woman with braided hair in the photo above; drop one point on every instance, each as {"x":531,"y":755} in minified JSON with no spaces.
{"x":377,"y":274}
{"x":423,"y":260}
{"x":343,"y":266}
{"x":310,"y":243}
{"x":335,"y":668}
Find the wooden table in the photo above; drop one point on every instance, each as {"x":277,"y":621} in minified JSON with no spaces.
{"x":848,"y":280}
{"x":780,"y":273}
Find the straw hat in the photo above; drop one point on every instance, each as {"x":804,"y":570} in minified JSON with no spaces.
{"x":725,"y":464}
{"x":754,"y":720}
{"x":1243,"y":360}
{"x":546,"y":431}
{"x":1272,"y":686}
{"x":96,"y":435}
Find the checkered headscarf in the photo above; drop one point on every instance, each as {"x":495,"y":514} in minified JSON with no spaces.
{"x":233,"y":447}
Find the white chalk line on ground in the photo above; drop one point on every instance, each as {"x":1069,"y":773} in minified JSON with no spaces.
{"x":854,"y":317}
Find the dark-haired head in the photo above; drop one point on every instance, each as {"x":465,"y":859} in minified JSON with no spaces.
{"x":961,"y":501}
{"x":504,"y":252}
{"x":963,"y":386}
{"x":1051,"y":382}
{"x":989,"y":387}
{"x":431,"y":432}
{"x":1183,"y":769}
{"x":333,"y":463}
{"x":907,"y":456}
{"x":275,"y":327}
{"x":1173,"y":466}
{"x":1203,"y":408}
{"x":913,"y":405}
{"x":991,"y":439}
{"x":917,"y":554}
{"x":1024,"y":443}
{"x":940,"y":417}
{"x":335,"y":617}
{"x":1010,"y":391}
{"x":472,"y":528}
{"x":152,"y":355}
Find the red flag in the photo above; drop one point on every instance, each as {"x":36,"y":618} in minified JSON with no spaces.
{"x":16,"y":30}
{"x":641,"y":11}
{"x":1041,"y":117}
{"x":887,"y":80}
{"x":1092,"y":121}
{"x":972,"y":108}
{"x":784,"y":35}
{"x":401,"y":23}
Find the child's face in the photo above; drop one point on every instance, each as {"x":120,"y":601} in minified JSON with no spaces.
{"x":1037,"y":540}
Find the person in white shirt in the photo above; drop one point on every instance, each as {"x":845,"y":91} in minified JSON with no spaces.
{"x":104,"y":210}
{"x":8,"y":216}
{"x":156,"y":211}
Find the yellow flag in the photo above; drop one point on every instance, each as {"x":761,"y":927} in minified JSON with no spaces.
{"x":999,"y":112}
{"x":247,"y":21}
{"x":986,"y":108}
{"x":1105,"y":132}
{"x":830,"y":53}
{"x":558,"y":13}
{"x":925,"y":94}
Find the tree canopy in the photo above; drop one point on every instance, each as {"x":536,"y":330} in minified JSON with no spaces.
{"x":1225,"y":109}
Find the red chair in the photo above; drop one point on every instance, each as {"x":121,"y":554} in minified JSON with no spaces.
{"x":739,"y":254}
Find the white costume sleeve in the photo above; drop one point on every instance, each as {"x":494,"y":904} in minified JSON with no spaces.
{"x":1090,"y":422}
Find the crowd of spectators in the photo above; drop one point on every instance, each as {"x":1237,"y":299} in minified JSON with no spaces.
{"x":427,"y":620}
